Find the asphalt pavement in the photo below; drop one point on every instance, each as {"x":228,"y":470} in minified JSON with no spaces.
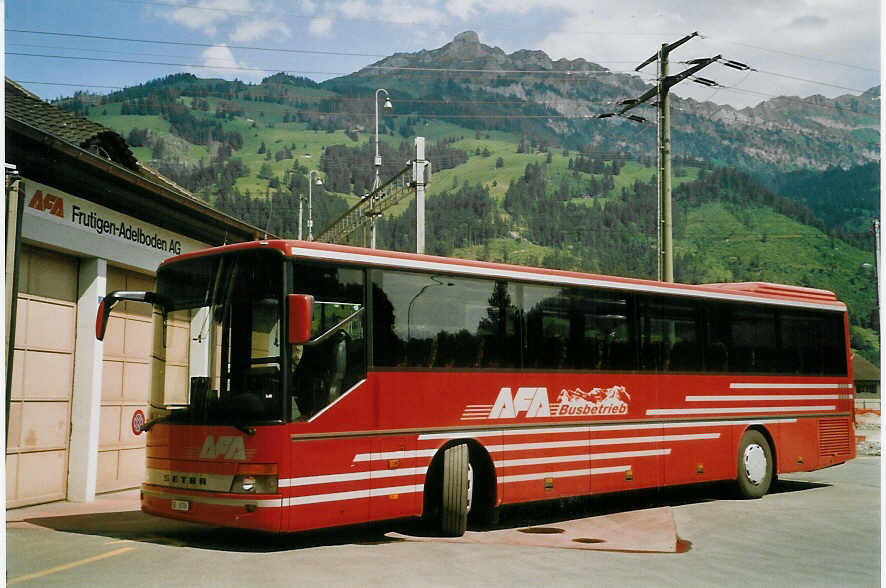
{"x":816,"y":529}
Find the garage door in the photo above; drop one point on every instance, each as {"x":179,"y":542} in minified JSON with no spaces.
{"x":126,"y":380}
{"x":42,"y":378}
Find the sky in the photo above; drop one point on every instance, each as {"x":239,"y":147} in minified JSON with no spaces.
{"x":795,"y":47}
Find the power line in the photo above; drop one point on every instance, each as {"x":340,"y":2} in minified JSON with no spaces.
{"x":69,"y":84}
{"x":749,"y":69}
{"x":796,"y":55}
{"x":194,"y":44}
{"x":574,"y":73}
{"x":194,"y":65}
{"x":799,"y":79}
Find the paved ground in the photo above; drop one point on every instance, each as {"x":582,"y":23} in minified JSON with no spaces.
{"x":816,"y":529}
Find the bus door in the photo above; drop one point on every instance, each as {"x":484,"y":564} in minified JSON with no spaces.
{"x":625,"y":445}
{"x":327,"y":407}
{"x":671,"y":360}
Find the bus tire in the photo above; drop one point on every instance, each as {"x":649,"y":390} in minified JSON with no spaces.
{"x":456,"y":495}
{"x":756,"y":467}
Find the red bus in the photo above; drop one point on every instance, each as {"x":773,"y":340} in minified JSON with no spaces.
{"x":299,"y":385}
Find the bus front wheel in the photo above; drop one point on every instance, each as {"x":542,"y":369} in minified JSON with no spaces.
{"x":457,"y":490}
{"x":755,"y":465}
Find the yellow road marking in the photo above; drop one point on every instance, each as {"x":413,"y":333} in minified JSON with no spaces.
{"x":68,"y":566}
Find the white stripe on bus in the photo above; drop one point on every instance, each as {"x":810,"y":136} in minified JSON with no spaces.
{"x":593,"y":442}
{"x":351,"y":477}
{"x":736,"y":409}
{"x":785,"y":386}
{"x":351,"y":495}
{"x":484,"y":433}
{"x":509,"y":463}
{"x":753,"y":397}
{"x":394,"y":455}
{"x":361,"y":457}
{"x":563,"y":474}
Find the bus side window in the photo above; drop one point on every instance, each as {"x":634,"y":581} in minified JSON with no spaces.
{"x":669,"y":334}
{"x":321,"y":373}
{"x":753,"y":340}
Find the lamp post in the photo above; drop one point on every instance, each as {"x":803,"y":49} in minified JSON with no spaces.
{"x":377,"y":182}
{"x":301,"y":198}
{"x":310,"y":202}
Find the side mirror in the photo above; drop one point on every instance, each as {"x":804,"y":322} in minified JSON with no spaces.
{"x":111,"y":300}
{"x":301,"y":308}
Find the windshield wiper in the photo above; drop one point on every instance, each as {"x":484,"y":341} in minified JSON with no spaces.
{"x":244,"y":429}
{"x":162,"y":419}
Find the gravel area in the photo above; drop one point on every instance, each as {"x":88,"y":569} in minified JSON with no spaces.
{"x":868,"y":425}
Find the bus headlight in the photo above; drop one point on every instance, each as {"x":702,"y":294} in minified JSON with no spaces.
{"x":255,"y":479}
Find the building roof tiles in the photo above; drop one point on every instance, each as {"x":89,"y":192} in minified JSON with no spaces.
{"x":30,"y":109}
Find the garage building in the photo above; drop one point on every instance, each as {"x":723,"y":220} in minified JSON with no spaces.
{"x":93,"y":220}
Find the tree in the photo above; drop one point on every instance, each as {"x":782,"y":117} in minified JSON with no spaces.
{"x":266,"y":172}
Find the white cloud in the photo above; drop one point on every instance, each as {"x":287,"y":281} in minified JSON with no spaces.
{"x":357,"y":9}
{"x":219,"y":62}
{"x":409,"y":12}
{"x":257,"y":29}
{"x":391,"y":11}
{"x":206,"y":15}
{"x":320,"y":26}
{"x":462,"y":9}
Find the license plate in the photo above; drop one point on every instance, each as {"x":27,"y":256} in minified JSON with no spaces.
{"x":182,"y":505}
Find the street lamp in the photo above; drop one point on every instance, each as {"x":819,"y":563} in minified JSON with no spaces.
{"x":377,"y":182}
{"x":310,"y":202}
{"x":301,"y":198}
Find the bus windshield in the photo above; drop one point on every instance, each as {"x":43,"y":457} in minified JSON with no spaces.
{"x":217,"y":341}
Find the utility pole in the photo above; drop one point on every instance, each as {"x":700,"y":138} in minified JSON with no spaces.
{"x":418,"y":178}
{"x":377,"y":182}
{"x":661,"y":91}
{"x":665,"y":215}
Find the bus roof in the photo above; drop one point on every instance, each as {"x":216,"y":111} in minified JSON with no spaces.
{"x":755,"y":292}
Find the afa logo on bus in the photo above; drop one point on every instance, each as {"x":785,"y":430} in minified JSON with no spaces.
{"x":533,"y":402}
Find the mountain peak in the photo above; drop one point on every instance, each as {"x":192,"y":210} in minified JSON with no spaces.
{"x":467,"y":38}
{"x":467,"y":45}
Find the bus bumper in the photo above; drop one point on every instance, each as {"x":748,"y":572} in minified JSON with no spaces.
{"x":261,"y":512}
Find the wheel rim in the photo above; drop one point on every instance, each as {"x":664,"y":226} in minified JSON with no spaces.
{"x":470,"y":487}
{"x":755,"y":464}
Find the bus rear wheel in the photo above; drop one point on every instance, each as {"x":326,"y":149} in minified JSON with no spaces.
{"x":755,"y":465}
{"x":457,"y":491}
